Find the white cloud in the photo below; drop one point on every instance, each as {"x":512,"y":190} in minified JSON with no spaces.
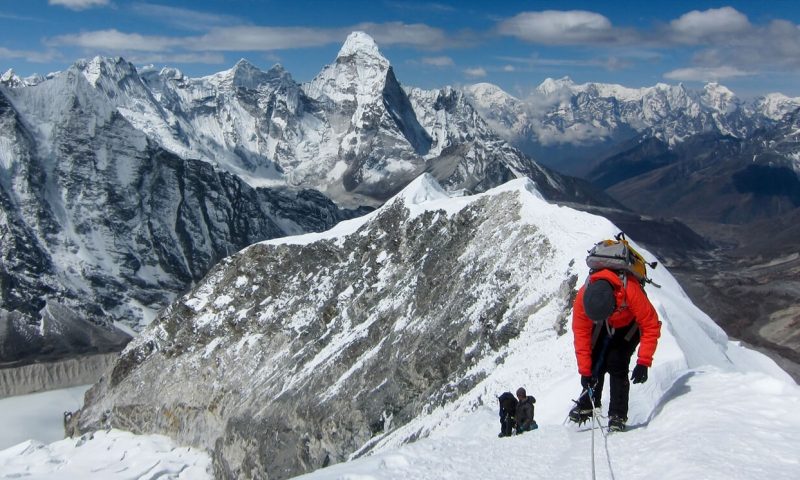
{"x":475,"y":72}
{"x":509,"y":68}
{"x":556,"y":27}
{"x":705,"y":74}
{"x":253,"y":38}
{"x":697,"y":25}
{"x":261,"y":39}
{"x":78,"y":4}
{"x":272,"y":57}
{"x":416,"y":35}
{"x":28,"y":55}
{"x":23,"y":18}
{"x":533,"y":62}
{"x":114,"y":40}
{"x":718,"y":39}
{"x":438,"y":61}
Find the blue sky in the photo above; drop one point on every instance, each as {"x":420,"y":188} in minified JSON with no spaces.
{"x":753,"y":47}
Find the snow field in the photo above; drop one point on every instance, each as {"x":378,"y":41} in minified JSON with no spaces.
{"x":711,"y":424}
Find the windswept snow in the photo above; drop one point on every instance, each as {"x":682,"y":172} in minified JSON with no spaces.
{"x":112,"y":455}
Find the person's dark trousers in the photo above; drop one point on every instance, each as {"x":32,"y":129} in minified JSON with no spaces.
{"x":506,"y":425}
{"x":613,"y":356}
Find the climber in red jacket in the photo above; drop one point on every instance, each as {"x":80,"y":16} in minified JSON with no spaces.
{"x":611,"y":315}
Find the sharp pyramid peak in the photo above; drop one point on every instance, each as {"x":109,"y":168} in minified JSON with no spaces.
{"x":244,"y":63}
{"x":422,"y":189}
{"x":360,"y":44}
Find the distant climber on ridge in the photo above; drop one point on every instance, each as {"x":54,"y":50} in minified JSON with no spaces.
{"x":611,"y":315}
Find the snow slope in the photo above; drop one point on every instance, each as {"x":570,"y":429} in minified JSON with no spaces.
{"x":711,"y":408}
{"x":711,"y":424}
{"x":35,"y":448}
{"x":108,"y":455}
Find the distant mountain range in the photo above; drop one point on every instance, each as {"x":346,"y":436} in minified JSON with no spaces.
{"x":119,"y":188}
{"x":572,"y":127}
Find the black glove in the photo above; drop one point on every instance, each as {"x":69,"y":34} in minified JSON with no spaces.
{"x":588,"y":382}
{"x":639,"y":374}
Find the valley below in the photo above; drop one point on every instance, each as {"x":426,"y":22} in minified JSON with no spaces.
{"x":749,"y":289}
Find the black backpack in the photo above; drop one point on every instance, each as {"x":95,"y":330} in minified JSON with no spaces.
{"x":508,"y":404}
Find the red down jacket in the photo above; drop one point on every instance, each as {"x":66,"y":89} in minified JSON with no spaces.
{"x":638,"y":309}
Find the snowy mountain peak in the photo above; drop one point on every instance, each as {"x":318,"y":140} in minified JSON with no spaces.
{"x":242,"y":75}
{"x":247,"y":75}
{"x":490,"y":92}
{"x":10,"y":79}
{"x":550,"y":86}
{"x":111,"y":67}
{"x":423,"y":189}
{"x":776,"y":105}
{"x":718,"y":97}
{"x":358,"y":75}
{"x":362,"y":45}
{"x":277,"y":72}
{"x":171,"y":73}
{"x":243,"y":63}
{"x":277,"y":69}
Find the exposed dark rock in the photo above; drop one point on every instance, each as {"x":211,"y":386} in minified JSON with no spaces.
{"x":302,"y":354}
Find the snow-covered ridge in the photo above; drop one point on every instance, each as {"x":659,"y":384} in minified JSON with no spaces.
{"x":347,"y":322}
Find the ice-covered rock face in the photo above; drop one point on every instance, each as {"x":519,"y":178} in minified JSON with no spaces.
{"x":101,"y":226}
{"x":296,"y":353}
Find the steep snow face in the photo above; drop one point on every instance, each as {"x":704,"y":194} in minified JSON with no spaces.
{"x":357,"y":76}
{"x":381,"y":331}
{"x":719,"y":98}
{"x":375,"y":143}
{"x":552,"y":86}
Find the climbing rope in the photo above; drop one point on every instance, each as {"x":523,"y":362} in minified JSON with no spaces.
{"x":595,"y":419}
{"x":590,"y":392}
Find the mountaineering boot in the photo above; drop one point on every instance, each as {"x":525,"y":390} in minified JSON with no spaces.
{"x":580,"y":415}
{"x":616,"y":423}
